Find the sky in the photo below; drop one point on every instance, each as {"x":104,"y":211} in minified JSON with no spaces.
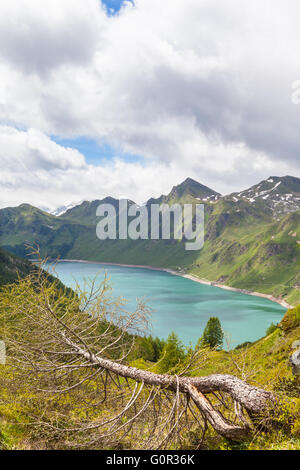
{"x":128,"y":99}
{"x":114,"y":6}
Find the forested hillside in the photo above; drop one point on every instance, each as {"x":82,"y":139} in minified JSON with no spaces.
{"x":11,"y":267}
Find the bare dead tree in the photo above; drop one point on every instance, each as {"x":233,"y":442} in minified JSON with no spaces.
{"x":78,"y":346}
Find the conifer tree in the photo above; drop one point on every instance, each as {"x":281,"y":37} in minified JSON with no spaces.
{"x":172,"y":353}
{"x":213,"y":334}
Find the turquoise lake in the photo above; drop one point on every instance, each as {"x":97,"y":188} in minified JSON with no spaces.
{"x":181,"y":305}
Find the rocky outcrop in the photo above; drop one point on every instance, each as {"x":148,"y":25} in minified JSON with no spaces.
{"x":295,"y":362}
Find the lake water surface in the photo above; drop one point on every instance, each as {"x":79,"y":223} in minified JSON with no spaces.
{"x":181,"y":305}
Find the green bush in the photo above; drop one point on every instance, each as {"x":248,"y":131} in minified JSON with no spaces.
{"x":291,"y":319}
{"x":289,"y":386}
{"x":271,"y":329}
{"x":243,"y":345}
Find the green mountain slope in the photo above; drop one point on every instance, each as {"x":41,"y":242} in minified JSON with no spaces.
{"x":247,"y":245}
{"x":262,"y":256}
{"x":28,"y":225}
{"x":11,"y":267}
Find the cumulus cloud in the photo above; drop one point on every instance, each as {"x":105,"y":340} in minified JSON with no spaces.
{"x":39,"y":36}
{"x":32,"y":150}
{"x":38,"y":171}
{"x":198,"y":86}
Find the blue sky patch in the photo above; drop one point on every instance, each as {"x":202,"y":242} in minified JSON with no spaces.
{"x":95,"y":153}
{"x":114,"y":5}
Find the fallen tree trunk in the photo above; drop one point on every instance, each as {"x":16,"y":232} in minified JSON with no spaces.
{"x":61,"y":346}
{"x":215,"y":418}
{"x":253,"y":399}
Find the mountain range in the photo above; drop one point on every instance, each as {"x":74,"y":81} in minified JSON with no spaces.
{"x":251,"y":237}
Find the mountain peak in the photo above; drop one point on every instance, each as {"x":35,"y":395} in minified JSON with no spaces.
{"x":188,"y":190}
{"x":189,"y":181}
{"x":279,"y":194}
{"x":195,"y":189}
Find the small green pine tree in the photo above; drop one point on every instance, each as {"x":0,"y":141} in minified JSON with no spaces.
{"x":150,"y":348}
{"x":172,"y":353}
{"x":213,"y":334}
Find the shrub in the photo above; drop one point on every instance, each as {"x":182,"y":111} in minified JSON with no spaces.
{"x":271,"y":329}
{"x":243,"y":345}
{"x":291,"y":319}
{"x":289,"y":386}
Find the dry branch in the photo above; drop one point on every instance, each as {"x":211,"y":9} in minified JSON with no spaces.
{"x":79,"y":344}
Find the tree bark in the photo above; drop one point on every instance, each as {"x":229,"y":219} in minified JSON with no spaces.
{"x":253,"y":399}
{"x":218,"y":422}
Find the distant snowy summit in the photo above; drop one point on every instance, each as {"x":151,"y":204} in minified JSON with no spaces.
{"x":63,"y":209}
{"x":279,"y":194}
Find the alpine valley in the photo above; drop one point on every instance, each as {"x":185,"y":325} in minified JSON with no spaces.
{"x":251,"y":237}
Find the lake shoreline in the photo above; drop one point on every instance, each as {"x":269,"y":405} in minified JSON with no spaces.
{"x":192,"y":277}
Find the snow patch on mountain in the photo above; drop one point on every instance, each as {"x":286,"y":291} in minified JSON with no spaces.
{"x":280,"y":195}
{"x":63,"y":209}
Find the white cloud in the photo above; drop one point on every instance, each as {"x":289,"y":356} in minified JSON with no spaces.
{"x":33,"y":150}
{"x":36,"y":170}
{"x":39,"y":36}
{"x":199,"y":88}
